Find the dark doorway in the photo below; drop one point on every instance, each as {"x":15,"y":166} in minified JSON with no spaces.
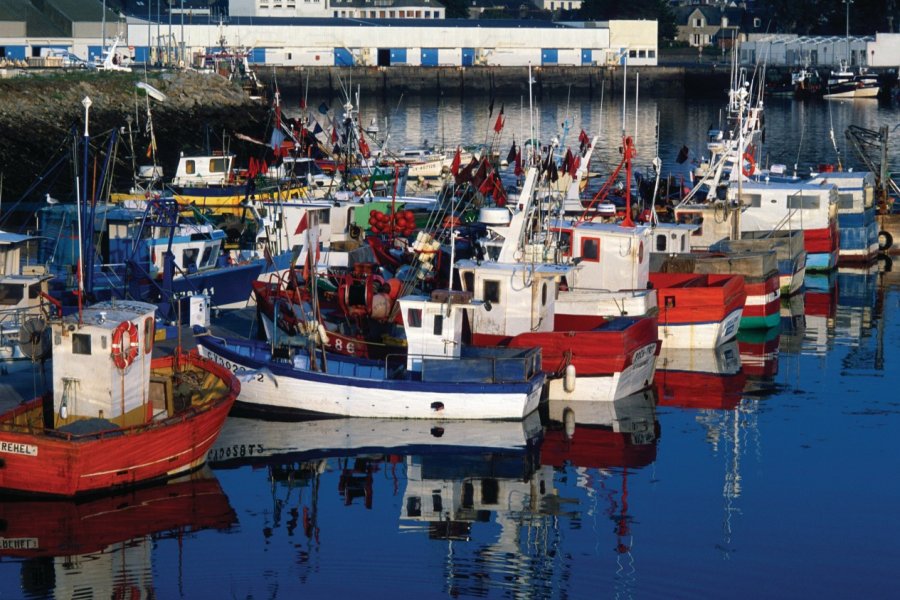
{"x":384,"y":57}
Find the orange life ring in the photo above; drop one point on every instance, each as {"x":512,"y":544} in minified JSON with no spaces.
{"x":750,"y":167}
{"x":124,"y":355}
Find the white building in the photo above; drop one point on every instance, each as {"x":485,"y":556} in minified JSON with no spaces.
{"x":882,"y":50}
{"x":348,"y":9}
{"x":418,"y":42}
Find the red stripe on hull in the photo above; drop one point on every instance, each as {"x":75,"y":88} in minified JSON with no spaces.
{"x":762,"y":310}
{"x":823,"y":240}
{"x":67,"y":466}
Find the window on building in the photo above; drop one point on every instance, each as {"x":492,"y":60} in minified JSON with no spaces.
{"x":696,"y":39}
{"x":698,"y":22}
{"x":632,"y":54}
{"x":642,"y":54}
{"x":757,"y":22}
{"x":651,"y":53}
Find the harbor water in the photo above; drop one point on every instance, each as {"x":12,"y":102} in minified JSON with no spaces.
{"x":766,"y":468}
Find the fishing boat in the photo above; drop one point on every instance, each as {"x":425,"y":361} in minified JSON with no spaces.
{"x":844,"y":83}
{"x":117,"y":417}
{"x":856,"y":216}
{"x":437,"y":377}
{"x":790,"y":252}
{"x":157,"y":254}
{"x":24,"y":305}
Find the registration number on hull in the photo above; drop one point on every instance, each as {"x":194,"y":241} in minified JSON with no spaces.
{"x":18,"y":448}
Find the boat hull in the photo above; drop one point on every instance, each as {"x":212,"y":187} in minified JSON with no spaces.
{"x":632,"y":379}
{"x":700,"y":335}
{"x":274,"y":389}
{"x":61,"y":464}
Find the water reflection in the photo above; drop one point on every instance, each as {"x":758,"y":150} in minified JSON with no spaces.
{"x":103,"y":547}
{"x":700,"y":378}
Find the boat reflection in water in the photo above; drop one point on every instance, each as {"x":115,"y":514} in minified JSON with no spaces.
{"x":103,"y":547}
{"x":700,"y":378}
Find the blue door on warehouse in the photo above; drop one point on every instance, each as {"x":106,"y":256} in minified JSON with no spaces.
{"x":587,"y":56}
{"x":549,"y":56}
{"x":429,"y":57}
{"x":343,"y":57}
{"x":468,"y":57}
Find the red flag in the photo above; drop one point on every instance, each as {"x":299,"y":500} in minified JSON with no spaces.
{"x":567,"y":161}
{"x":264,"y":168}
{"x":499,"y":192}
{"x":519,"y":170}
{"x":252,"y":169}
{"x":576,"y":162}
{"x":457,"y":159}
{"x":303,"y":225}
{"x":487,"y":185}
{"x":334,"y":135}
{"x":498,"y":125}
{"x":363,"y":146}
{"x":465,"y":173}
{"x":302,"y":103}
{"x":480,"y":174}
{"x":583,"y":137}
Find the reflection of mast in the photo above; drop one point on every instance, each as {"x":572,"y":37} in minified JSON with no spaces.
{"x":731,"y":429}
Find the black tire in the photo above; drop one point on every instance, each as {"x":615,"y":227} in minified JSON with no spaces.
{"x":885,"y":241}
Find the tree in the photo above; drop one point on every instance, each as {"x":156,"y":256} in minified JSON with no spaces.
{"x":658,"y":10}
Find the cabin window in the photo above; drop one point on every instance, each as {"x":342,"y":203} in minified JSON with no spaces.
{"x":491,"y":291}
{"x":189,"y":259}
{"x":10,"y":295}
{"x":190,"y":167}
{"x":544,"y":294}
{"x":683,"y":244}
{"x":119,"y":231}
{"x":468,"y":281}
{"x":490,"y":491}
{"x":414,"y":506}
{"x":565,"y":243}
{"x":81,"y":343}
{"x":207,"y":252}
{"x":148,"y":335}
{"x":691,"y":218}
{"x":414,"y":317}
{"x":670,"y":302}
{"x":34,"y":291}
{"x":661,"y":243}
{"x":590,"y":249}
{"x":437,"y":504}
{"x":754,"y":200}
{"x":799,"y":201}
{"x":438,"y":324}
{"x":217,"y":165}
{"x":845,"y":201}
{"x":868,"y":194}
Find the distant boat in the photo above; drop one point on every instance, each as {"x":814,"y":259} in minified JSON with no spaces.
{"x":844,"y":83}
{"x":117,"y":417}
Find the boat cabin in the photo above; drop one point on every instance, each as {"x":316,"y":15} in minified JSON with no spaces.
{"x":516,"y":298}
{"x":195,"y":247}
{"x":434,"y":325}
{"x":606,"y":256}
{"x":672,"y":238}
{"x":197,"y":171}
{"x":856,"y":189}
{"x":22,"y":292}
{"x":101,"y":367}
{"x":802,"y":205}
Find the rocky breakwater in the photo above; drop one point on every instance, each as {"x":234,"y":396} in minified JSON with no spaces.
{"x":40,"y":115}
